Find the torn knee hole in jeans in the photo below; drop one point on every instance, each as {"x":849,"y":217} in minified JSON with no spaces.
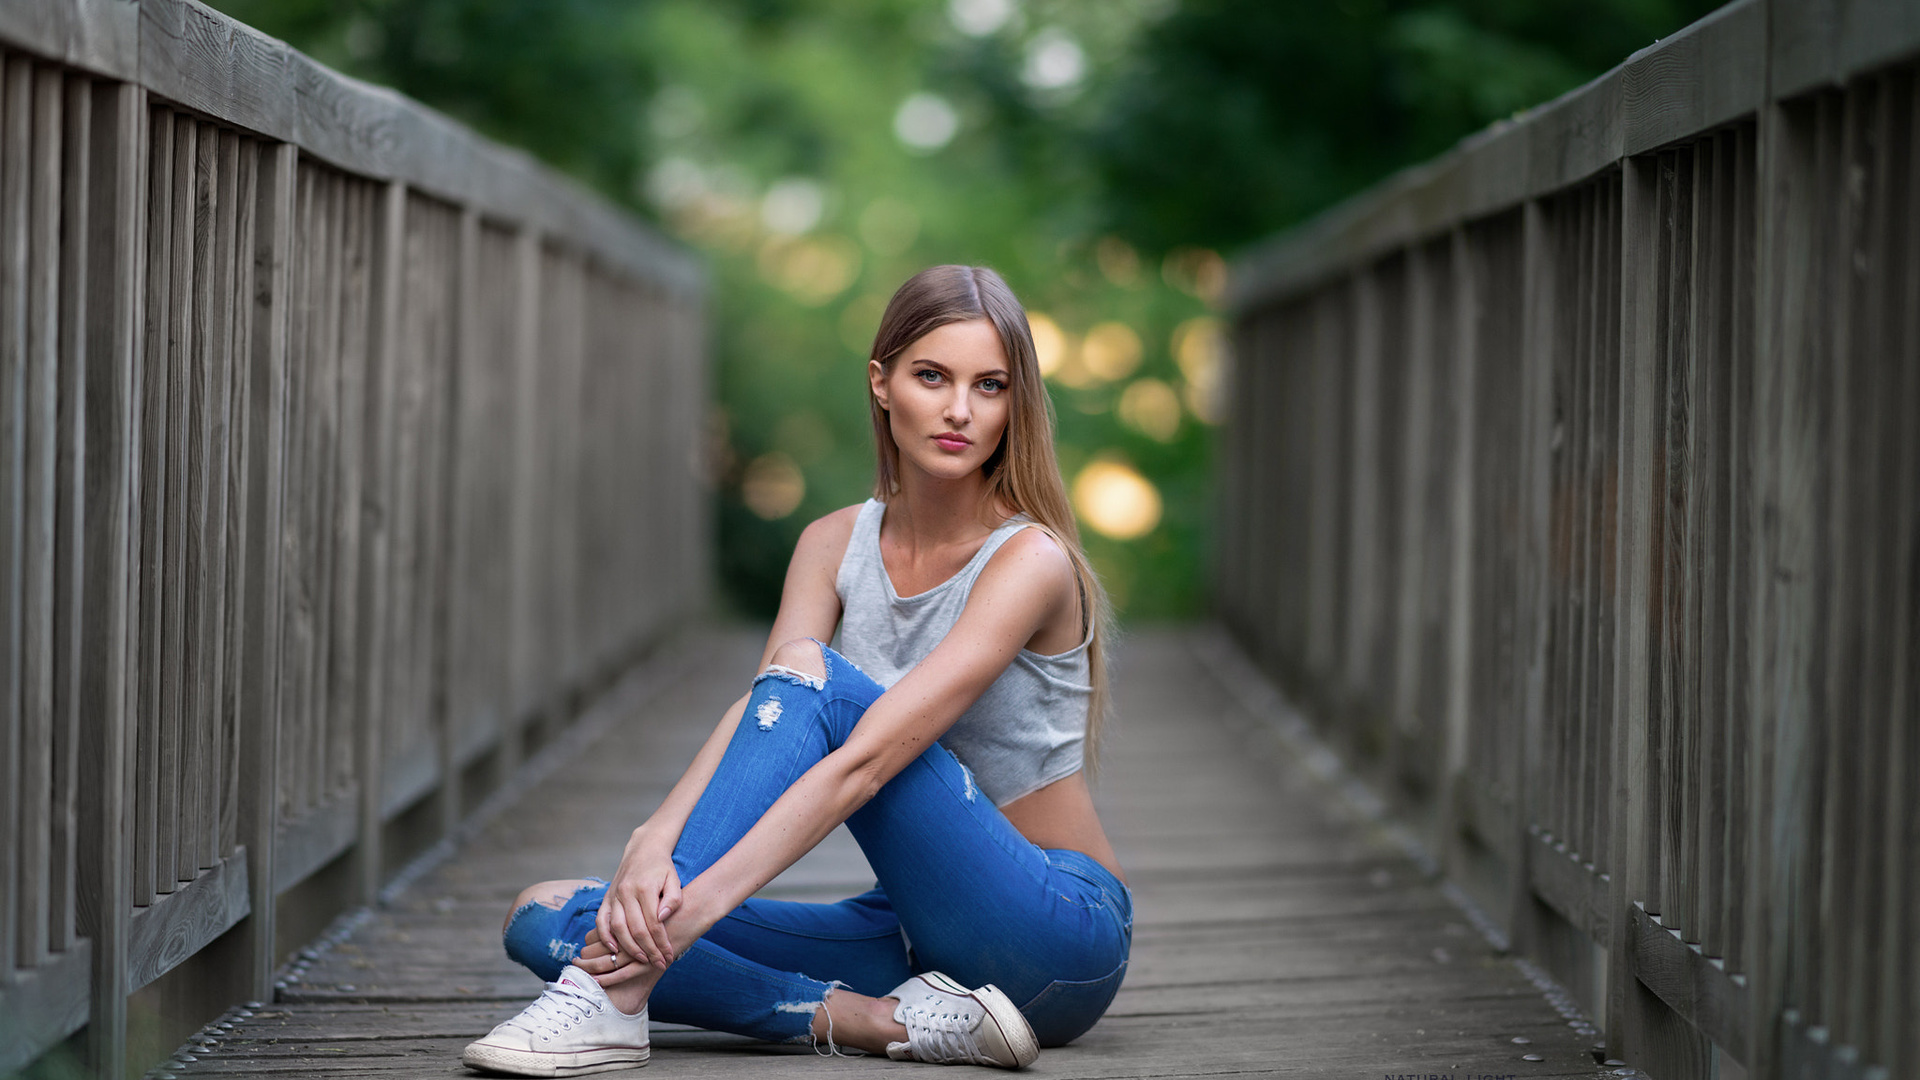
{"x":794,"y":676}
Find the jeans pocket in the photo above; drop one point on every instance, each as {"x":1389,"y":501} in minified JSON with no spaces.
{"x":1065,"y":1010}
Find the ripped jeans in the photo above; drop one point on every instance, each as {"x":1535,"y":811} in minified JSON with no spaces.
{"x":975,"y":899}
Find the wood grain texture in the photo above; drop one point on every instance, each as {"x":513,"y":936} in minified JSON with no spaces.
{"x":149,"y":477}
{"x":165,"y":933}
{"x":261,"y":606}
{"x":116,"y":258}
{"x":39,"y":459}
{"x":16,"y":138}
{"x":1694,"y":985}
{"x":70,"y":508}
{"x":376,"y":536}
{"x":100,"y":36}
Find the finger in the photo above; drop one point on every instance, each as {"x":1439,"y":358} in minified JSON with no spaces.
{"x":670,"y":896}
{"x":618,"y":939}
{"x":623,"y":973}
{"x":657,"y":937}
{"x":595,"y":965}
{"x":629,"y":931}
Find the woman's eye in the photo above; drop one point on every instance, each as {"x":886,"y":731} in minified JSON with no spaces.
{"x":928,"y":376}
{"x":992,"y":386}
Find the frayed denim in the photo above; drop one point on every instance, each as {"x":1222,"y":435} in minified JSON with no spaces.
{"x":977,"y":900}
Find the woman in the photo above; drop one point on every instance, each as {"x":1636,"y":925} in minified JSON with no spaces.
{"x":968,"y":615}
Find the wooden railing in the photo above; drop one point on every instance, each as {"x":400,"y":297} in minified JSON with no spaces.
{"x":342,"y":454}
{"x":1573,"y":484}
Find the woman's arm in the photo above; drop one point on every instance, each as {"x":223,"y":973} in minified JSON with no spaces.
{"x":1025,"y":587}
{"x":645,"y":889}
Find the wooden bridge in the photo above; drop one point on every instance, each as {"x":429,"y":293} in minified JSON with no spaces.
{"x":1568,"y":557}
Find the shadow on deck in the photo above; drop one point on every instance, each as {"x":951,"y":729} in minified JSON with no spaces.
{"x":1276,"y":932}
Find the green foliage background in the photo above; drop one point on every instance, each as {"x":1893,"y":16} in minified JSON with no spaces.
{"x":1189,"y":128}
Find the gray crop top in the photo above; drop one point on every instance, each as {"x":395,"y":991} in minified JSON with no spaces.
{"x":1027,"y":730}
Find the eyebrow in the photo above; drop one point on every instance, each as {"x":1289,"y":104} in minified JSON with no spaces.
{"x":996,"y":373}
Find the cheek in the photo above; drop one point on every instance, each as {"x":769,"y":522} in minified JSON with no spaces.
{"x":1001,"y":413}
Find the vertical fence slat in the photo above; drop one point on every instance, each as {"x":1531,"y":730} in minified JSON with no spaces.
{"x":1630,"y":809}
{"x":223,"y":160}
{"x":16,"y":142}
{"x":1741,"y":251}
{"x":173,"y":646}
{"x":242,"y":638}
{"x":263,"y":600}
{"x":40,"y":416}
{"x":1898,"y":994}
{"x":145,"y":613}
{"x":197,"y":380}
{"x":375,"y":404}
{"x":117,"y":197}
{"x":70,"y":520}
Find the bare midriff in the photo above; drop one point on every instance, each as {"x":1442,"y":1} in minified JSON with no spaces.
{"x":1061,"y":815}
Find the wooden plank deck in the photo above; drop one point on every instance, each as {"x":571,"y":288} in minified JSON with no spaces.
{"x":1275,"y":934}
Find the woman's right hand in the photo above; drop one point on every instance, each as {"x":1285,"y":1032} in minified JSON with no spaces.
{"x":644,"y":891}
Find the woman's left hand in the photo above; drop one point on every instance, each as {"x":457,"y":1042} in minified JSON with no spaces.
{"x":607,"y":967}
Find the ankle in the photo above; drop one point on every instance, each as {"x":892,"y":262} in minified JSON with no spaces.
{"x":629,"y":997}
{"x":854,"y":1021}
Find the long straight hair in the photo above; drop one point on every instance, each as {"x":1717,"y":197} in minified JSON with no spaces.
{"x":1022,"y":472}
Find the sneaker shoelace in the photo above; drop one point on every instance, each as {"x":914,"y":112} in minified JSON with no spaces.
{"x":556,"y":1010}
{"x":941,"y":1036}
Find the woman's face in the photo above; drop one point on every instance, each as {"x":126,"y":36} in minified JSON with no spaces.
{"x":947,"y":396}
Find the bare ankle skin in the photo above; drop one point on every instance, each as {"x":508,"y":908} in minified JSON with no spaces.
{"x":857,"y":1021}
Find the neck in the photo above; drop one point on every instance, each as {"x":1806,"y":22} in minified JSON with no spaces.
{"x":928,"y":510}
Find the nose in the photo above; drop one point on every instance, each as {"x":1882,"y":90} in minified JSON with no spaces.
{"x":959,"y":409}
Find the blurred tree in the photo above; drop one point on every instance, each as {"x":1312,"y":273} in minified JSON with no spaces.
{"x":559,"y":78}
{"x":1097,"y":154}
{"x":1240,"y":117}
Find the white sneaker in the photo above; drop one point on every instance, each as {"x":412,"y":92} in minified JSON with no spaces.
{"x":948,"y":1024}
{"x":571,"y":1028}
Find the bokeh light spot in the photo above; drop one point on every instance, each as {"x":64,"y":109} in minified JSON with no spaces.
{"x":1055,"y":61}
{"x":978,"y":18}
{"x":925,"y":122}
{"x":792,"y":206}
{"x":1049,"y":342}
{"x":773,"y":486}
{"x":1111,"y":351}
{"x":1151,"y":408}
{"x":1200,"y":347}
{"x":1196,"y":272}
{"x":812,"y":270}
{"x":1115,"y":500}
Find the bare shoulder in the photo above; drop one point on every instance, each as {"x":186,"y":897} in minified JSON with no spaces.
{"x":825,"y":539}
{"x":1030,"y":581}
{"x":1031,"y":559}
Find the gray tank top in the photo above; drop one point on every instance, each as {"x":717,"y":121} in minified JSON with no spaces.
{"x":1028,"y":729}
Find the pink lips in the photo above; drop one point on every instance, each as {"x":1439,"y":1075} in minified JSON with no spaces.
{"x":951,"y":442}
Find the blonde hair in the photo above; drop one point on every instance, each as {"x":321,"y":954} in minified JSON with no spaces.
{"x":1023,"y":472}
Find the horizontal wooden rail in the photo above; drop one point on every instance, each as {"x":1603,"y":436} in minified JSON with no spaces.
{"x":343,"y":456}
{"x":1572,"y":482}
